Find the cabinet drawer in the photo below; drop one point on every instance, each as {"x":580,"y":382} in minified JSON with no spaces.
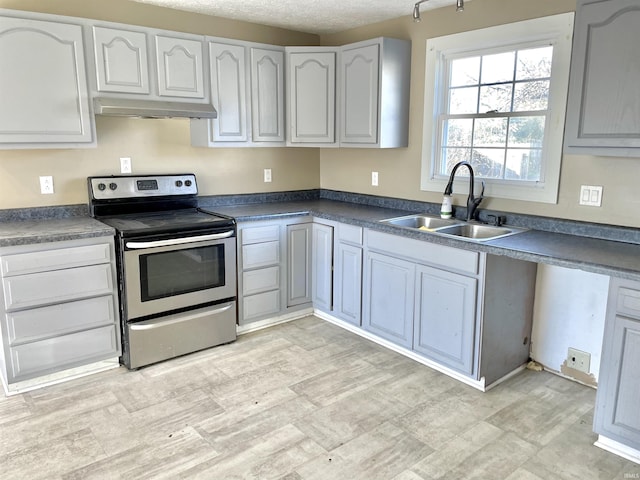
{"x":260,"y":255}
{"x":267,"y":233}
{"x":39,"y":289}
{"x":448,"y":258}
{"x":261,"y":280}
{"x":66,"y":351}
{"x":628,"y":302}
{"x":38,"y":323}
{"x":35,"y":262}
{"x":350,"y":233}
{"x":261,"y":304}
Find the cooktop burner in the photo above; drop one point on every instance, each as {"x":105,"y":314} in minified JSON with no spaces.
{"x":167,"y":221}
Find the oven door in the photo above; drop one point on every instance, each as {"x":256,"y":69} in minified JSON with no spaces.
{"x":178,"y":273}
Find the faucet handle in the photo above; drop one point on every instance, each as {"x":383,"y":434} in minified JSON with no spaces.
{"x":482,"y":191}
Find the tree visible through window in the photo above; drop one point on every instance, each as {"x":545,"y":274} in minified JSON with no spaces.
{"x":496,"y":114}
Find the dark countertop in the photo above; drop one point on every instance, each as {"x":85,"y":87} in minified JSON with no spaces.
{"x":607,"y":257}
{"x":25,"y":232}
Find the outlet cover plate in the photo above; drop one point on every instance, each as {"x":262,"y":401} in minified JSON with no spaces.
{"x":579,"y":360}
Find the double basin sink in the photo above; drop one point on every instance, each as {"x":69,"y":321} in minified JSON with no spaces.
{"x":476,"y":232}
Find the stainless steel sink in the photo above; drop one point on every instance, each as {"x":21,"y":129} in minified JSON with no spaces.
{"x":453,"y":227}
{"x":421,"y":222}
{"x":479,"y":232}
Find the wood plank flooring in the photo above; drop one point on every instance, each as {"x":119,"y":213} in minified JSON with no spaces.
{"x":302,"y":400}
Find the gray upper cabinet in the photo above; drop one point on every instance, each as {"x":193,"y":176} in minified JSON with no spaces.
{"x":180,"y":62}
{"x":603,"y":113}
{"x":374,"y":93}
{"x":267,"y":95}
{"x":121,"y":60}
{"x":44,"y":100}
{"x":311,"y":94}
{"x":617,"y":415}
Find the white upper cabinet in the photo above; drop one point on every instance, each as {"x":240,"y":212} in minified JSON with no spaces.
{"x":44,"y":100}
{"x":121,"y":60}
{"x":267,"y":95}
{"x":180,"y":62}
{"x":374,"y":93}
{"x":603,"y":112}
{"x":311,"y":91}
{"x":247,"y":91}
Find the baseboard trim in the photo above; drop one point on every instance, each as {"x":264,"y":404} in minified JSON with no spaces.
{"x":270,"y":322}
{"x":618,"y":448}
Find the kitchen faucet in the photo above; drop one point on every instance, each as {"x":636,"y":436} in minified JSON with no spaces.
{"x":472,"y":202}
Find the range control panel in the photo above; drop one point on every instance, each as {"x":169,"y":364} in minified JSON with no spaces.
{"x":127,"y":186}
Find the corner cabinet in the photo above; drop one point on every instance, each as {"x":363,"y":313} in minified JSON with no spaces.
{"x":617,"y":416}
{"x":44,"y":100}
{"x":247,"y":90}
{"x":374,"y":89}
{"x":603,"y":112}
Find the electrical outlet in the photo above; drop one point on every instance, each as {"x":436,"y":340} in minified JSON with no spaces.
{"x":579,"y":360}
{"x":591,"y":195}
{"x":125,"y":164}
{"x":374,"y":179}
{"x":267,"y":175}
{"x":46,"y":185}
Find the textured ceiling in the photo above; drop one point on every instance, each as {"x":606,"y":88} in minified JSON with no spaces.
{"x":312,"y":16}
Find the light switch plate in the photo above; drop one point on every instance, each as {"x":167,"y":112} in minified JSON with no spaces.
{"x":591,"y":195}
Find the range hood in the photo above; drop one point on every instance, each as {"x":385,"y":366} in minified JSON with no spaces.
{"x":120,"y":107}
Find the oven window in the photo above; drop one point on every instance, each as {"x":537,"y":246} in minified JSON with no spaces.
{"x":176,"y":272}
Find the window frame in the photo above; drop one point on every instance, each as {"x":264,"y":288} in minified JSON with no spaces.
{"x":556,"y":30}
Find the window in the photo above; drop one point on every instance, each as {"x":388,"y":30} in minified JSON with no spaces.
{"x":496,"y":98}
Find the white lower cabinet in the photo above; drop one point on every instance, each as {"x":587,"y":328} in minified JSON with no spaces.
{"x":59,"y":307}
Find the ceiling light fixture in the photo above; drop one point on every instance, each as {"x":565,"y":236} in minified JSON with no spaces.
{"x":416,"y":9}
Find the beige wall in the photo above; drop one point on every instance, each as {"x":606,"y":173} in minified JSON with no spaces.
{"x":399,"y":169}
{"x":154,"y":145}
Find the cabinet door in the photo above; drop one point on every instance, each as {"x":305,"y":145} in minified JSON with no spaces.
{"x":121,"y":60}
{"x":267,"y":95}
{"x":603,"y":91}
{"x":388,"y":298}
{"x":298,"y":264}
{"x":348,"y":283}
{"x":617,"y":415}
{"x":43,"y":94}
{"x":445,"y":318}
{"x":312,"y":86}
{"x":180,"y":67}
{"x":322,"y":266}
{"x":359,"y":94}
{"x":228,"y":88}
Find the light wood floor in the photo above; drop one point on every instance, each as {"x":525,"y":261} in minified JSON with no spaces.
{"x":303,"y":400}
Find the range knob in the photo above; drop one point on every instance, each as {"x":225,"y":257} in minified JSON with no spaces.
{"x":187,"y":183}
{"x":113,"y":186}
{"x":178,"y":183}
{"x":101,"y":187}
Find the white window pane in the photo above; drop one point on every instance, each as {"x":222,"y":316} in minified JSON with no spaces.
{"x":525,"y":132}
{"x":465,"y":71}
{"x":495,"y":97}
{"x":534,"y":63}
{"x":524,"y":164}
{"x":463,"y":100}
{"x":529,"y":96}
{"x":458,"y":132}
{"x":451,"y":156}
{"x":488,"y":162}
{"x":490,"y":132}
{"x":498,"y":68}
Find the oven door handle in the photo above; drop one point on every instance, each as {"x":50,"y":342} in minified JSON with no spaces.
{"x":179,"y":241}
{"x":158,"y":322}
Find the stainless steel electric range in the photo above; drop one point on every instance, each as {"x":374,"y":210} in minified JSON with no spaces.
{"x":176,"y":265}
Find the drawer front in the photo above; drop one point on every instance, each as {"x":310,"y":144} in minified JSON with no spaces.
{"x":261,"y":280}
{"x":628,"y":302}
{"x":262,"y":304}
{"x":268,"y":233}
{"x":350,"y":233}
{"x":61,"y":258}
{"x":63,"y":352}
{"x":260,"y":255}
{"x":449,"y":258}
{"x":54,"y":320}
{"x":59,"y":286}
